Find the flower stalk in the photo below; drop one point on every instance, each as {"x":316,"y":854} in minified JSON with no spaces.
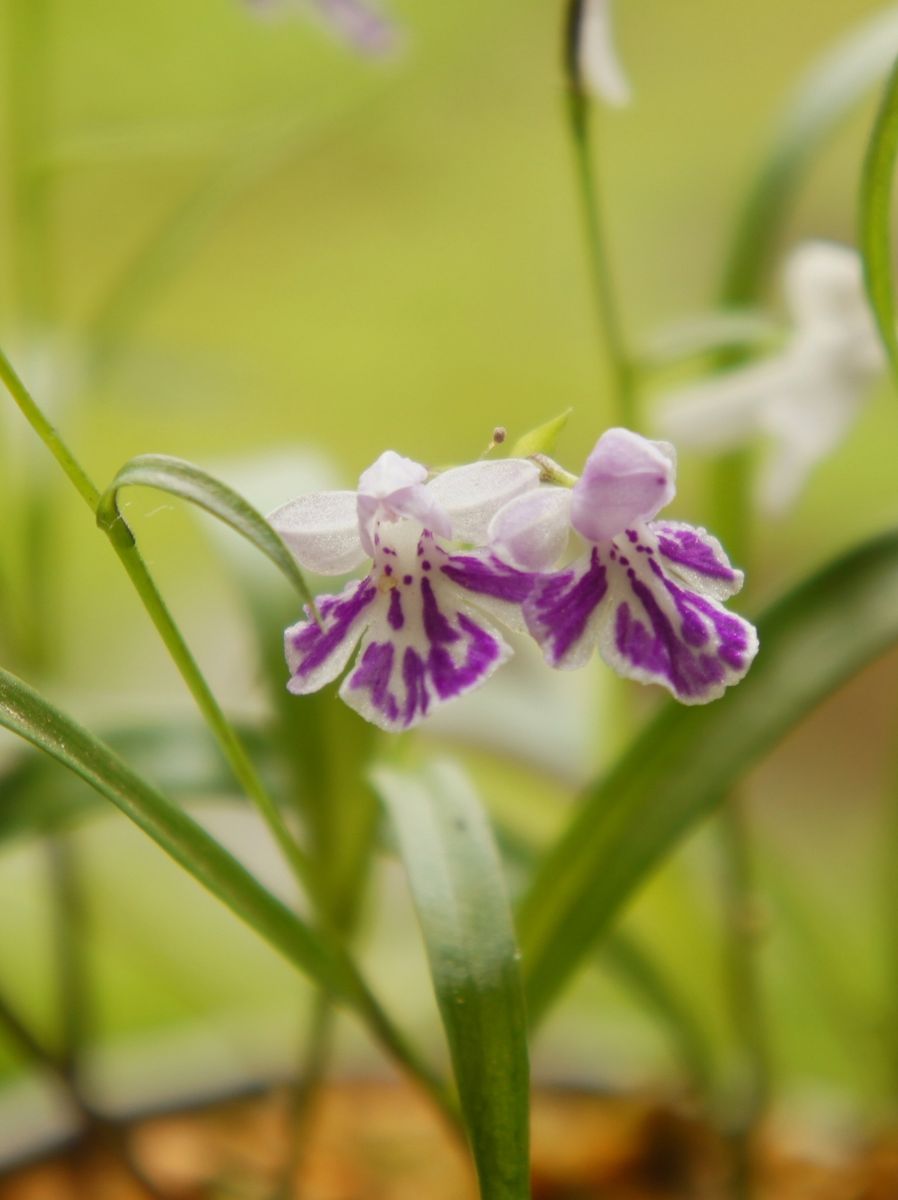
{"x":578,"y":106}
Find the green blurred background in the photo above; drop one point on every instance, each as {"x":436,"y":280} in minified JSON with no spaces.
{"x":356,"y":255}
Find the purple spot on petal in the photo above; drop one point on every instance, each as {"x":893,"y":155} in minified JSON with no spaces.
{"x":425,"y":565}
{"x":406,"y":579}
{"x":633,"y":535}
{"x":388,"y":570}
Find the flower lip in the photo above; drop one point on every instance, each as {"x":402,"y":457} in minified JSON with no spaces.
{"x":627,"y":480}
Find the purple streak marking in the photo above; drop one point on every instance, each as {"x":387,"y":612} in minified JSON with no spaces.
{"x":414,"y":676}
{"x":436,"y":628}
{"x":489,"y":577}
{"x":373,"y":674}
{"x":688,"y":548}
{"x":659,"y":650}
{"x":395,"y":616}
{"x":561,"y":605}
{"x":451,"y":678}
{"x":338,"y":613}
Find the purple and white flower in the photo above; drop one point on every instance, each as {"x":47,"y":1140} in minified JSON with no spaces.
{"x":804,"y":398}
{"x":646,"y":593}
{"x":594,"y":61}
{"x":424,"y":610}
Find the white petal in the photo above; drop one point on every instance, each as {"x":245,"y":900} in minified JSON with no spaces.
{"x":598,"y":60}
{"x":419,"y":504}
{"x":473,"y":494}
{"x":322,"y":531}
{"x":806,"y":430}
{"x":532,"y":530}
{"x":390,"y":473}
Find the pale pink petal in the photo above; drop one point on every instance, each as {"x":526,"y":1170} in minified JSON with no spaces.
{"x":390,"y":473}
{"x":473,"y":494}
{"x":532,"y":531}
{"x":321,"y":529}
{"x":626,"y":481}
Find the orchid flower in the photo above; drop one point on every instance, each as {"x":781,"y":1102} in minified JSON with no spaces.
{"x":424,"y":609}
{"x":355,"y":22}
{"x":647,"y":593}
{"x":806,"y":397}
{"x":593,"y":60}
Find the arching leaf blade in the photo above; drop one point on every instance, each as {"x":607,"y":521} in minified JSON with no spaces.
{"x":185,"y":480}
{"x":455,"y":877}
{"x":875,"y":216}
{"x":829,"y":90}
{"x":680,"y":768}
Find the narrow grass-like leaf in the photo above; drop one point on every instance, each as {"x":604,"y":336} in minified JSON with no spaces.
{"x":180,"y":478}
{"x":875,"y":234}
{"x":456,"y":880}
{"x":31,"y":717}
{"x":823,"y":97}
{"x":681,"y":766}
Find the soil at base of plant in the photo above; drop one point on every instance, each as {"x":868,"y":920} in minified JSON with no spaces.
{"x":381,"y":1141}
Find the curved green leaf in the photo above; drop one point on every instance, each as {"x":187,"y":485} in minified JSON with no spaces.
{"x":877,"y":186}
{"x":180,"y":478}
{"x":456,"y":880}
{"x":680,"y":767}
{"x":31,"y":717}
{"x":822,"y":98}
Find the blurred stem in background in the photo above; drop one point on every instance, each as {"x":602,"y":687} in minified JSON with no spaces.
{"x":744,"y":991}
{"x":609,"y":322}
{"x":28,"y":79}
{"x":32,"y":263}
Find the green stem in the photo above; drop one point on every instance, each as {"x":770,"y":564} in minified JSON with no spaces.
{"x":125,"y":547}
{"x":48,"y":435}
{"x":72,"y":986}
{"x":610,"y":327}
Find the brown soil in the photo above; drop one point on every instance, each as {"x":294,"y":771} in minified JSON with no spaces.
{"x":376,"y":1141}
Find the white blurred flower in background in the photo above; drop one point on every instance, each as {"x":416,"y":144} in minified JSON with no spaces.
{"x":593,"y":58}
{"x":804,"y":398}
